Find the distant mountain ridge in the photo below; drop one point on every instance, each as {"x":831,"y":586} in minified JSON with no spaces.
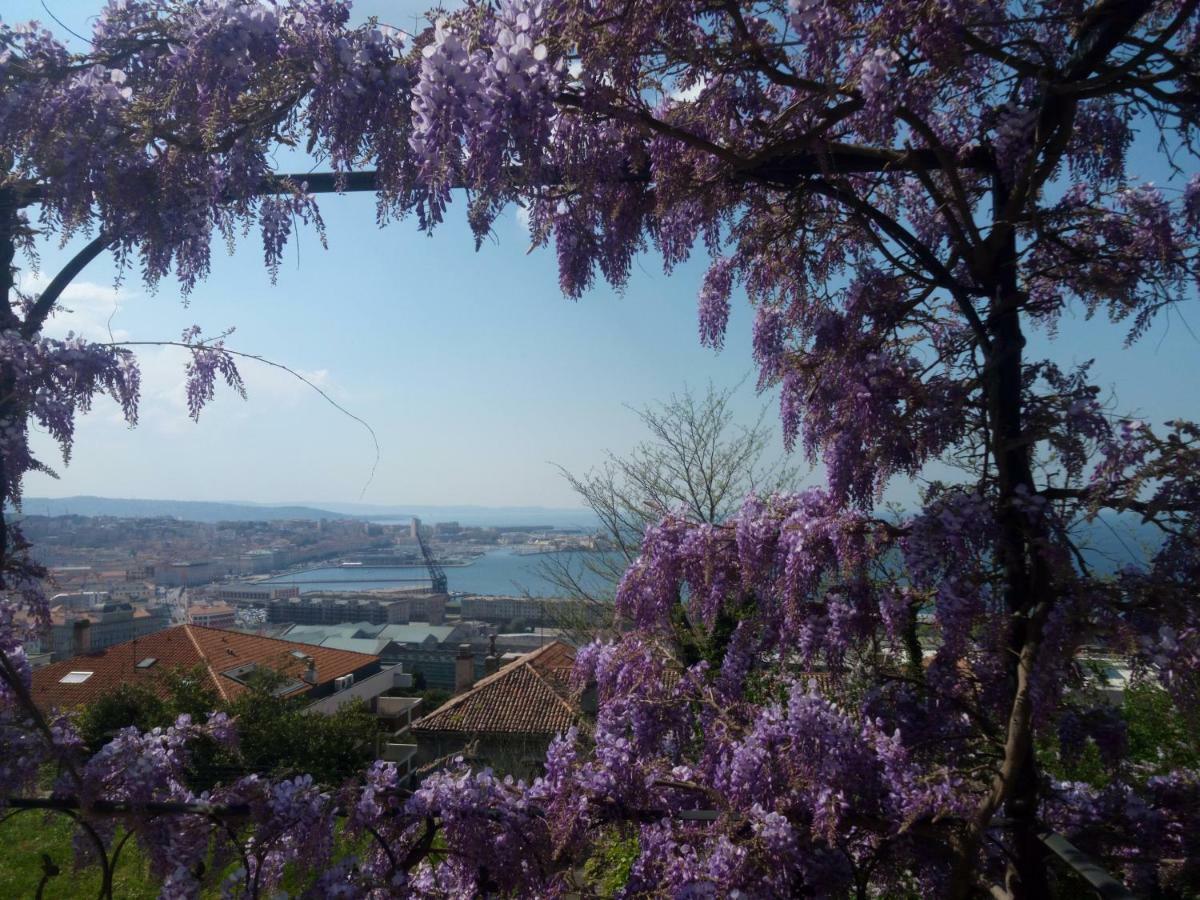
{"x":474,"y":515}
{"x":1109,"y":542}
{"x":218,"y":511}
{"x":189,"y":510}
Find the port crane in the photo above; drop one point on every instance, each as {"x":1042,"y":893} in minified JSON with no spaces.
{"x":437,"y":575}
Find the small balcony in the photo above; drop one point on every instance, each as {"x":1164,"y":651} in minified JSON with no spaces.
{"x":395,"y":714}
{"x":395,"y":707}
{"x":400,"y":754}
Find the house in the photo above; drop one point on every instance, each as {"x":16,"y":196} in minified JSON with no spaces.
{"x":72,"y":632}
{"x":218,"y":615}
{"x":429,"y":652}
{"x":385,"y":695}
{"x":507,"y":720}
{"x":227,"y":659}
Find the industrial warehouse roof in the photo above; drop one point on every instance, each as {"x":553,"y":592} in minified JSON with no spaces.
{"x":315,"y":634}
{"x":528,"y":696}
{"x":419,"y":633}
{"x":413,"y":633}
{"x":224,"y":656}
{"x":359,"y":645}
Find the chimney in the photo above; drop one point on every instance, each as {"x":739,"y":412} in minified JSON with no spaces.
{"x":310,"y":674}
{"x":464,"y":668}
{"x":81,"y":637}
{"x":491,"y":664}
{"x":589,"y":700}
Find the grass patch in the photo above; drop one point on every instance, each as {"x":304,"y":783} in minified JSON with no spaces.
{"x":27,"y":837}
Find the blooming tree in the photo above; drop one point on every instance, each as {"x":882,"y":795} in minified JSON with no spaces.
{"x":904,"y":191}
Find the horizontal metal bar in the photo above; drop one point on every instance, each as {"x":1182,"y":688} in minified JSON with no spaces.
{"x":121,"y":807}
{"x":1086,"y":867}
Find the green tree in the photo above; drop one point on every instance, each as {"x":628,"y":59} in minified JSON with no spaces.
{"x":276,"y":736}
{"x":129,"y":705}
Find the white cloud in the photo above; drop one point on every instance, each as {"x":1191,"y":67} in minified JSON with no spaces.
{"x":271,"y":392}
{"x":691,"y":94}
{"x":523,"y":219}
{"x":85,"y":309}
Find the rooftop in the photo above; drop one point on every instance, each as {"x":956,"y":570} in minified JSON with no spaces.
{"x":415,"y":633}
{"x":218,"y":609}
{"x":528,"y":696}
{"x":418,"y":633}
{"x":357,"y":644}
{"x":222,"y":655}
{"x":315,"y":634}
{"x":61,"y":615}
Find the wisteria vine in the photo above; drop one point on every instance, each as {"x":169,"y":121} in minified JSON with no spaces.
{"x":817,"y":697}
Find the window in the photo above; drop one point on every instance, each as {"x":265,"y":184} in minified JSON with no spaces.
{"x":279,"y":685}
{"x":147,"y":662}
{"x":75,"y":677}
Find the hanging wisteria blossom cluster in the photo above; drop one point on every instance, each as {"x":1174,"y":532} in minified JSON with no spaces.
{"x":818,"y":697}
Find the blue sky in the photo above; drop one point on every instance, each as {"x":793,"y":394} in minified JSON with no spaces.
{"x":475,"y":372}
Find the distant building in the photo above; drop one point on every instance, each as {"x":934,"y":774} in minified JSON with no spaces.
{"x":334,"y":607}
{"x":64,"y":573}
{"x":506,"y":720}
{"x":526,"y":641}
{"x":80,"y":600}
{"x":227,"y":659}
{"x":429,"y":608}
{"x":257,"y":562}
{"x":132,"y":591}
{"x":386,"y":695}
{"x":256,"y":593}
{"x":429,"y":652}
{"x":534,"y":611}
{"x":188,"y":574}
{"x":83,"y":632}
{"x":386,"y":558}
{"x":220,"y":615}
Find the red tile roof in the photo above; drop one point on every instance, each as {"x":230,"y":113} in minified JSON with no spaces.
{"x":186,"y":647}
{"x":528,"y":696}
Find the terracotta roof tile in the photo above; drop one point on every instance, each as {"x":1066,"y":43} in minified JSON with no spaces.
{"x":186,"y":647}
{"x":528,"y":696}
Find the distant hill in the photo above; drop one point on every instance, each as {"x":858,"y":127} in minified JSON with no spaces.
{"x":476,"y":516}
{"x":212,"y":511}
{"x":1107,"y":543}
{"x":190,"y":510}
